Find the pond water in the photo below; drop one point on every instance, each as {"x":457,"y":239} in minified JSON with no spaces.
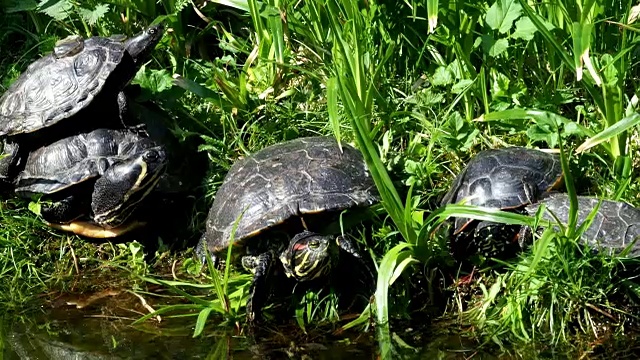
{"x":103,"y":330}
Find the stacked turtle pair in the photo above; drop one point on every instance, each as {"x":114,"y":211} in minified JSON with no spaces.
{"x":67,"y":136}
{"x":521,"y":180}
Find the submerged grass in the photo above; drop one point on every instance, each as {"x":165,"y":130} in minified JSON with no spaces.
{"x":419,"y":87}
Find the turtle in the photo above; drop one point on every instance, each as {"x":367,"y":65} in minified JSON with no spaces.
{"x":62,"y":85}
{"x":92,"y":182}
{"x":286,"y":189}
{"x":614,"y":227}
{"x":506,"y":179}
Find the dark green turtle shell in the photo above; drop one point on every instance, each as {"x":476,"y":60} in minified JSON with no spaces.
{"x":504,"y":179}
{"x":76,"y":159}
{"x":293,"y":178}
{"x":54,"y":88}
{"x":615,"y":225}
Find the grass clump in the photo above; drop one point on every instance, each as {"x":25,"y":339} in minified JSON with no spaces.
{"x":555,"y":292}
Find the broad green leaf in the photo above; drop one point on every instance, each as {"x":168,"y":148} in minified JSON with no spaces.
{"x":499,"y":84}
{"x":502,"y":14}
{"x":609,"y":70}
{"x":154,"y":80}
{"x":34,"y":207}
{"x":57,"y":9}
{"x":461,"y":86}
{"x":493,"y":47}
{"x":525,"y":29}
{"x":13,"y":6}
{"x":92,"y":16}
{"x":499,"y":47}
{"x":442,"y":77}
{"x":543,"y":132}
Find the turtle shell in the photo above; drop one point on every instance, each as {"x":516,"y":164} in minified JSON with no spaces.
{"x":293,"y":178}
{"x":54,"y":88}
{"x":615,"y":225}
{"x":504,"y":179}
{"x":75,"y":159}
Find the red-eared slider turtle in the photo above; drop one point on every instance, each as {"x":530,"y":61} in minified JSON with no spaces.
{"x":58,"y":86}
{"x":273,"y":190}
{"x":614,"y":227}
{"x":92,"y":182}
{"x":506,"y":179}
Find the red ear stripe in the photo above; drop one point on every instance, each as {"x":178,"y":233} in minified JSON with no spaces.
{"x":299,"y":246}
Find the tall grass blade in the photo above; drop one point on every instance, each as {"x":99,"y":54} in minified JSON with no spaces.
{"x":393,"y":263}
{"x":432,"y":14}
{"x":581,"y":35}
{"x":484,"y":214}
{"x":610,"y":132}
{"x":236,"y":4}
{"x":571,"y":190}
{"x":332,"y":108}
{"x":201,"y":321}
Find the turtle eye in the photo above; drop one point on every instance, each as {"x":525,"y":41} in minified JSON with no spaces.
{"x":150,"y":156}
{"x":314,"y":244}
{"x":152,"y":31}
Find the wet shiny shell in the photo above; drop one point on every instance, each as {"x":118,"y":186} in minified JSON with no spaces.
{"x":297,"y":177}
{"x":52,"y":88}
{"x":75,"y":159}
{"x":615,"y":225}
{"x":504,"y":179}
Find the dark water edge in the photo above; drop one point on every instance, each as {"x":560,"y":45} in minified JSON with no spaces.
{"x":105,"y":331}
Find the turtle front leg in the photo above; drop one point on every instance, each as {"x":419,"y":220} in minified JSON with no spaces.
{"x":348,"y":246}
{"x":62,"y":211}
{"x":123,"y":109}
{"x":361,"y":278}
{"x":525,"y":237}
{"x":9,"y":158}
{"x":261,"y":267}
{"x":125,"y":115}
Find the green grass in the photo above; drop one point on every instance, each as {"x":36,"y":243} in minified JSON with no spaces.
{"x":419,"y":87}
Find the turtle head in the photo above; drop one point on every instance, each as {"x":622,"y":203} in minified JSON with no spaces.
{"x":141,"y":45}
{"x":69,"y":46}
{"x":309,"y":256}
{"x":123,"y":185}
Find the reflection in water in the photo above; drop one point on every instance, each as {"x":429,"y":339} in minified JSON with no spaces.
{"x":104,"y":331}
